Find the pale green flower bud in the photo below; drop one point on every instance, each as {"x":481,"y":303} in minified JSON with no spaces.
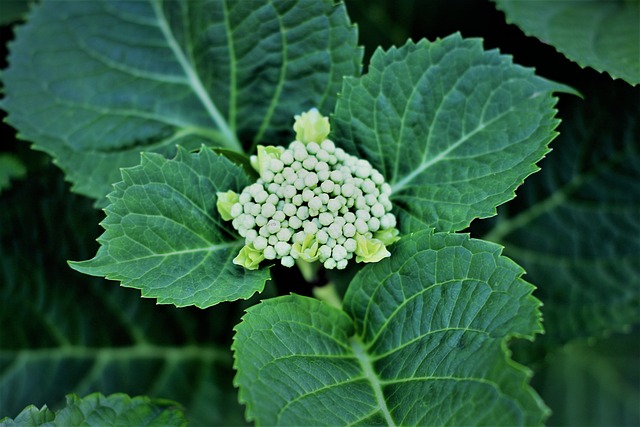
{"x":224,"y":203}
{"x":307,"y":250}
{"x":388,"y":236}
{"x":369,"y":249}
{"x":262,"y":161}
{"x":249,"y":257}
{"x":311,"y":127}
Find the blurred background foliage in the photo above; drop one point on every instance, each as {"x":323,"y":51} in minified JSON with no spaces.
{"x":63,"y":332}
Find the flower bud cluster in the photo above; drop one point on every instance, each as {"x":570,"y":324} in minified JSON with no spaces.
{"x":312,"y":202}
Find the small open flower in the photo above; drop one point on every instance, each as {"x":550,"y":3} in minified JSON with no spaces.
{"x":370,"y":249}
{"x":311,"y":127}
{"x":249,"y":257}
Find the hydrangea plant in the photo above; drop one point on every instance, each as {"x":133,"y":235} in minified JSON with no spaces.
{"x":319,"y":224}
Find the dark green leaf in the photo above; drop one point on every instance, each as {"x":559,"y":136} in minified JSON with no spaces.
{"x":13,"y":10}
{"x":64,"y":332}
{"x":453,"y":128}
{"x":603,"y":35}
{"x":164,"y":236}
{"x":577,"y":233}
{"x":422,"y":335}
{"x":99,"y":411}
{"x":93,"y":83}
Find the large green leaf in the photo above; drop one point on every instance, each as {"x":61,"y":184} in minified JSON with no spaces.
{"x":421,"y":341}
{"x":97,"y":410}
{"x":577,"y":233}
{"x":93,"y":83}
{"x":64,"y":332}
{"x":453,"y":128}
{"x":164,"y":235}
{"x":600,"y":34}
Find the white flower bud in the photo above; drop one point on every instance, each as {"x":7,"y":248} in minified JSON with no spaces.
{"x":330,"y":264}
{"x":288,"y":261}
{"x":261,"y":220}
{"x":309,"y":163}
{"x":311,"y":179}
{"x":287,"y":157}
{"x":334,"y":230}
{"x":260,"y":243}
{"x":313,"y":147}
{"x":272,"y":240}
{"x":322,"y":236}
{"x":325,"y":218}
{"x":350,"y":245}
{"x":289,"y":209}
{"x":348,"y":190}
{"x":377,"y":210}
{"x":303,"y":212}
{"x":325,"y":252}
{"x":284,"y":234}
{"x":236,"y":210}
{"x":339,"y":252}
{"x":315,"y":203}
{"x":388,"y":221}
{"x":295,"y":222}
{"x":282,"y":248}
{"x":374,"y":224}
{"x":328,"y":146}
{"x":361,"y":226}
{"x":268,"y":210}
{"x":342,"y":264}
{"x":269,"y":252}
{"x":349,"y":230}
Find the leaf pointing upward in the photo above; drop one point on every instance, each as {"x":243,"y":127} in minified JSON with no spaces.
{"x":93,"y":83}
{"x":453,"y":128}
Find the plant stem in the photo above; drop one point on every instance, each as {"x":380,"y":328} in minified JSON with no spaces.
{"x":328,"y":294}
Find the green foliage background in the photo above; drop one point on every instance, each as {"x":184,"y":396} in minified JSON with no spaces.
{"x":64,"y":332}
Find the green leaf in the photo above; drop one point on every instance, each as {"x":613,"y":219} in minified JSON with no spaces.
{"x":13,"y":10}
{"x":422,"y":334}
{"x":593,"y":384}
{"x":94,"y":83}
{"x":10,"y":168}
{"x":603,"y":35}
{"x":30,"y":417}
{"x":64,"y":332}
{"x":577,"y":233}
{"x":454,"y":129}
{"x":98,"y":410}
{"x":164,"y":236}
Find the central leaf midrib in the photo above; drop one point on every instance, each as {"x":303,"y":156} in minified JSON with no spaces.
{"x":194,"y":80}
{"x":367,"y":367}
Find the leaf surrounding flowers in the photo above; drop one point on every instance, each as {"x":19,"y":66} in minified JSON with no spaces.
{"x":422,"y":334}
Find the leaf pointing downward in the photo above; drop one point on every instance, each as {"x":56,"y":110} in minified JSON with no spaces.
{"x":164,"y":236}
{"x":421,"y":336}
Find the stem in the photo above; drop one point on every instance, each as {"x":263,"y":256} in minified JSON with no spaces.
{"x":309,"y":270}
{"x":328,"y":294}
